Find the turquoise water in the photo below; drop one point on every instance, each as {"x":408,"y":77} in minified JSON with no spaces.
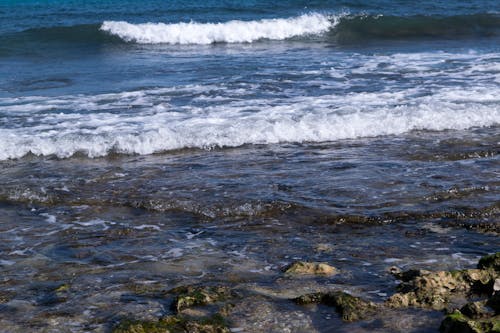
{"x":166,"y":143}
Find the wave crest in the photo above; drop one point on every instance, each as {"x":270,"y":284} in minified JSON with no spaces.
{"x":228,"y":32}
{"x":340,"y":28}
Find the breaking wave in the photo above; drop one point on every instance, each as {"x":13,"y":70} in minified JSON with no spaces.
{"x":338,"y":28}
{"x":228,"y":32}
{"x":341,"y":28}
{"x":158,"y":128}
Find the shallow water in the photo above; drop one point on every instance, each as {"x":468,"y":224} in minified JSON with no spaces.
{"x":135,"y":158}
{"x":111,"y":227}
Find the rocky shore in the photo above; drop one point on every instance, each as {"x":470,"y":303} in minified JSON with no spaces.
{"x":469,"y":300}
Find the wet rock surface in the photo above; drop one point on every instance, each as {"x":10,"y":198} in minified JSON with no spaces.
{"x":440,"y":290}
{"x":475,"y":317}
{"x":457,"y":322}
{"x":349,"y":307}
{"x":190,"y":296}
{"x":174,"y":324}
{"x":435,"y":290}
{"x":242,"y":281}
{"x":309,"y":268}
{"x":490,"y":262}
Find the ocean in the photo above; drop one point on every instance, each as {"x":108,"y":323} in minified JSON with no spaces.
{"x":148,"y":145}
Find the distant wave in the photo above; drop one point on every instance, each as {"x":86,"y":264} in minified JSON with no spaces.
{"x":340,"y":28}
{"x":228,"y":32}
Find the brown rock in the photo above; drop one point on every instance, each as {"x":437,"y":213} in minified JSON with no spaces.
{"x":310,"y":268}
{"x":351,"y":308}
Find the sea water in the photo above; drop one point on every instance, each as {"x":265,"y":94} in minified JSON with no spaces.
{"x":166,"y":143}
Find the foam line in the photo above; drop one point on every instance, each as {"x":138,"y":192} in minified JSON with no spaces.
{"x":301,"y":119}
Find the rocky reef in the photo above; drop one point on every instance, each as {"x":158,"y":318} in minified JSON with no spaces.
{"x":469,"y":299}
{"x":440,"y":290}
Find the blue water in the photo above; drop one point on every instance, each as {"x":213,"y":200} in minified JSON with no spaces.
{"x":164,"y":143}
{"x":78,"y":52}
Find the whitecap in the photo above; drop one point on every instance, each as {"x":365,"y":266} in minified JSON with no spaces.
{"x":227,"y":32}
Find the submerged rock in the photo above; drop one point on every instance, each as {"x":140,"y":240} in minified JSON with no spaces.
{"x":323,"y":248}
{"x":351,"y":308}
{"x":190,"y":296}
{"x":310,"y":268}
{"x":174,"y":324}
{"x":53,"y":295}
{"x":5,"y":297}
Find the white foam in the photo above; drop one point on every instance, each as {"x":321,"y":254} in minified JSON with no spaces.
{"x":147,"y":226}
{"x":227,"y":32}
{"x":174,"y":253}
{"x":391,"y":260}
{"x":151,"y":121}
{"x":301,"y":119}
{"x":6,"y":262}
{"x":95,"y":222}
{"x":50,"y":218}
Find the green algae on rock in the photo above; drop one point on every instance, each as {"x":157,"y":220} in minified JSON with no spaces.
{"x":190,"y":296}
{"x":174,"y":324}
{"x":475,"y":310}
{"x":490,"y":262}
{"x":139,"y":326}
{"x":457,"y":322}
{"x":351,"y":308}
{"x":309,"y":268}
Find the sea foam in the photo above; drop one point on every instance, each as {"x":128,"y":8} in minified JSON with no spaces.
{"x":228,"y":32}
{"x":258,"y":121}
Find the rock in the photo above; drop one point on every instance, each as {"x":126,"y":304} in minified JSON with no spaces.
{"x":351,"y":308}
{"x":214,"y":324}
{"x":138,"y":326}
{"x":490,"y":262}
{"x":62,"y":288}
{"x":174,"y":324}
{"x":195,"y":296}
{"x":314,"y":298}
{"x":494,"y":302}
{"x":323,"y":248}
{"x":457,"y":322}
{"x":476,"y":310}
{"x":496,"y":285}
{"x":411,"y":274}
{"x":4,"y":297}
{"x":310,"y":268}
{"x":434,"y":289}
{"x":394,"y":270}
